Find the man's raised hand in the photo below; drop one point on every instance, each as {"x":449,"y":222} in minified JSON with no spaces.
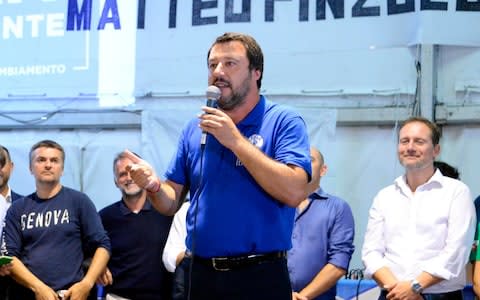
{"x":142,"y":173}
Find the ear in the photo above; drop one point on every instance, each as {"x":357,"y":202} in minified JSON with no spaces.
{"x":257,"y":74}
{"x":323,"y":170}
{"x":436,"y":150}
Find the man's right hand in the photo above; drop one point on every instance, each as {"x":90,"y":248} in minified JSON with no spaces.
{"x":44,"y":292}
{"x":5,"y":269}
{"x":142,"y":173}
{"x":106,"y":278}
{"x":297,"y":296}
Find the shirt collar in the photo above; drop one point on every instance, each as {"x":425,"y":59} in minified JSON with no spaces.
{"x":255,"y":114}
{"x":125,"y":210}
{"x":436,"y":179}
{"x":8,"y":198}
{"x":319,"y":194}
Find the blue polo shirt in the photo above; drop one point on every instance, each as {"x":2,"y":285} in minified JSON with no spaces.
{"x":235,"y":215}
{"x":323,"y":233}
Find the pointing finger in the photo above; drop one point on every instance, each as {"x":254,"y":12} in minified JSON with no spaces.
{"x":135,"y":159}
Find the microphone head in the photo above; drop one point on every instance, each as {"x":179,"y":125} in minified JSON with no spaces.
{"x":213,"y":92}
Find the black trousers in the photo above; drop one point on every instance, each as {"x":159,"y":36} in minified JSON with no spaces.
{"x":266,"y":280}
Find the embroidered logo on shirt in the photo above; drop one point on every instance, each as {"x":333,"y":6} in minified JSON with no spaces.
{"x":257,"y":141}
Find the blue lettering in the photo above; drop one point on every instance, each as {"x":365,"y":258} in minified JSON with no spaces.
{"x":172,"y":19}
{"x":198,"y":6}
{"x":433,"y":5}
{"x":141,"y":14}
{"x":465,"y":5}
{"x":78,"y":17}
{"x":303,"y":11}
{"x":359,"y":10}
{"x":110,"y":6}
{"x":242,"y":17}
{"x":394,"y":8}
{"x":337,"y":8}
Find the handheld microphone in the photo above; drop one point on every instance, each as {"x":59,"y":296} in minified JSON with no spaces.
{"x":213,"y":94}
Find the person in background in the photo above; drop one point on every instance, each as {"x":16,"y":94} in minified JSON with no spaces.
{"x":138,"y":234}
{"x":322,"y":240}
{"x":244,"y":182}
{"x":420,"y":228}
{"x":446,"y":169}
{"x":475,"y":255}
{"x":49,"y":233}
{"x":7,"y":196}
{"x":175,"y":247}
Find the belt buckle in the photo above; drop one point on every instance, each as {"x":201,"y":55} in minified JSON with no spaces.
{"x":219,"y":259}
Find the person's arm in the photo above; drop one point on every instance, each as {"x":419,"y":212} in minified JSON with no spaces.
{"x":476,"y":278}
{"x":373,"y":249}
{"x":475,"y":260}
{"x":174,"y":250}
{"x":164,"y":196}
{"x":323,"y":281}
{"x":285,"y":182}
{"x":450,"y":262}
{"x":339,"y":248}
{"x":22,"y":275}
{"x":81,"y":289}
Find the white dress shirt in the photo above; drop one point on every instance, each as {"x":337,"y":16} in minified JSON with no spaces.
{"x":176,"y":238}
{"x":5,"y":203}
{"x":430,"y":230}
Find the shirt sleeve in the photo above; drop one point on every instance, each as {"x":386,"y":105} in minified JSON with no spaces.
{"x":451,"y":261}
{"x":176,"y":238}
{"x":94,"y":235}
{"x":374,"y":246}
{"x":341,"y":246}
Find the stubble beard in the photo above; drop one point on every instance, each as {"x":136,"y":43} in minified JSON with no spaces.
{"x":238,"y":95}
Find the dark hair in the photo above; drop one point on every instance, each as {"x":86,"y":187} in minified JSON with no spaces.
{"x":4,"y":156}
{"x":47,"y":144}
{"x":254,"y":52}
{"x":446,"y":169}
{"x":435,"y":132}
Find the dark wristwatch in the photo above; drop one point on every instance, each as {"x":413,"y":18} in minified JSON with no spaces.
{"x":416,"y":287}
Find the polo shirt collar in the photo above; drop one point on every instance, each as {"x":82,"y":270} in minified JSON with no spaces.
{"x":319,"y":194}
{"x":256,"y":113}
{"x":125,"y":210}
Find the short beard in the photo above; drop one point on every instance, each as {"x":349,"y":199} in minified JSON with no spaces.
{"x":238,"y":96}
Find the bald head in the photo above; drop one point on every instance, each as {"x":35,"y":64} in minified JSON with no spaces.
{"x":318,"y":169}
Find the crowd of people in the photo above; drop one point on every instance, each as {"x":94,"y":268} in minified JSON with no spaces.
{"x":259,"y":227}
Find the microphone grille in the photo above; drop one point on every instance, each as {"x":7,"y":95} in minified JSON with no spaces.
{"x":213,"y":92}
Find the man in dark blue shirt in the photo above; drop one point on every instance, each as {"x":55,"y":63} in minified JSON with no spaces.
{"x":322,"y":240}
{"x":138,"y":234}
{"x":50,"y":231}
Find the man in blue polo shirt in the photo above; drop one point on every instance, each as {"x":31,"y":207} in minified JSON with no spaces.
{"x":244,"y":183}
{"x":322,"y":240}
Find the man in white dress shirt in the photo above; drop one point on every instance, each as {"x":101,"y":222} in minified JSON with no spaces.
{"x":420,"y":228}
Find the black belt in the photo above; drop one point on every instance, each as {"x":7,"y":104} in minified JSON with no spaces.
{"x":234,"y":262}
{"x":454,"y":295}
